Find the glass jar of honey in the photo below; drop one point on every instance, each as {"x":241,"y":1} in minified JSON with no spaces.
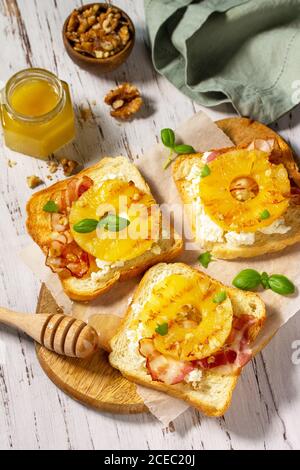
{"x":36,"y":113}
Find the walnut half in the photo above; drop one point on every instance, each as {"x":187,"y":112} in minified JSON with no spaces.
{"x":125,"y":101}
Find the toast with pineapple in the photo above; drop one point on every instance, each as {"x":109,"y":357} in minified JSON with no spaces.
{"x":188,"y":335}
{"x":242,"y":201}
{"x":98,"y":227}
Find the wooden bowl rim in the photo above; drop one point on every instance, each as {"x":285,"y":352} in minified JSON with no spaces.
{"x":95,"y":60}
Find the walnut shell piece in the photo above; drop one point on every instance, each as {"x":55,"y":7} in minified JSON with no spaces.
{"x":125,"y":101}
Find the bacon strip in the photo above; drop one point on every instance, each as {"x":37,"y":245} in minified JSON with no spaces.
{"x":68,"y":257}
{"x":263,"y":145}
{"x":164,"y":369}
{"x":270,"y":146}
{"x":215,"y":153}
{"x":236,"y":353}
{"x":63,"y":253}
{"x":75,"y":188}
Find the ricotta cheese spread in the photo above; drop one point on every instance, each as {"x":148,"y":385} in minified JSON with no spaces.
{"x":194,"y":177}
{"x":104,"y":268}
{"x":194,"y":376}
{"x":206,"y":229}
{"x":113,"y":176}
{"x":194,"y":174}
{"x":276,"y":227}
{"x":134,"y":337}
{"x":237,"y":239}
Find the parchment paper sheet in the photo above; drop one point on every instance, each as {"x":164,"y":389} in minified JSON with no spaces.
{"x":200,"y":132}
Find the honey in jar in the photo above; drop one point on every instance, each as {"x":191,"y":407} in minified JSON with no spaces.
{"x":36,"y":113}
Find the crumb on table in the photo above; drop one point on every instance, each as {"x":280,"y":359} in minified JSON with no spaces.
{"x":85,"y":113}
{"x":11,"y":163}
{"x":53,"y":166}
{"x":33,"y":181}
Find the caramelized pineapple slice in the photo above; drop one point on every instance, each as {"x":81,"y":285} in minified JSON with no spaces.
{"x":244,"y":192}
{"x":124,"y":200}
{"x":183,"y":319}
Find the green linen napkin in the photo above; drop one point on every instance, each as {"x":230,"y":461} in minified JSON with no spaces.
{"x":246,"y":52}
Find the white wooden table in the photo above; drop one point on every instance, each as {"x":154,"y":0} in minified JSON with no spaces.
{"x":34,"y":414}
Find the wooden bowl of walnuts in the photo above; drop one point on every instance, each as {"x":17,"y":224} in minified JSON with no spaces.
{"x":99,"y":36}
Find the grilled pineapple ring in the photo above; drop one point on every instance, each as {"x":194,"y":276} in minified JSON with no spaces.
{"x":125,"y":200}
{"x":197,"y":327}
{"x":269,"y":191}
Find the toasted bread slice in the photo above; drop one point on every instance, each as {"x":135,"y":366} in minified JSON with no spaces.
{"x":213,"y":393}
{"x":243,"y":131}
{"x":86,"y":288}
{"x":264,"y":243}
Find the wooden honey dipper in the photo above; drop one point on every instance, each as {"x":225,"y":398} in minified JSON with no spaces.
{"x":60,"y":333}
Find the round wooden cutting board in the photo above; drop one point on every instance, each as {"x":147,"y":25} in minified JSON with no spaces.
{"x":91,"y":381}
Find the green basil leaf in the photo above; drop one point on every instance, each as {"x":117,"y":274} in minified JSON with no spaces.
{"x":205,"y":171}
{"x":51,"y":206}
{"x":162,"y":329}
{"x":86,"y":226}
{"x":281,"y":284}
{"x":264,"y":214}
{"x":182,"y":149}
{"x":167,"y":137}
{"x":247,"y":279}
{"x":265,"y":280}
{"x":113,"y":223}
{"x":220,"y":297}
{"x":205,"y":258}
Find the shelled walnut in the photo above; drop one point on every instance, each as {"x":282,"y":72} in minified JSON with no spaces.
{"x":98,"y":31}
{"x":53,"y":166}
{"x":69,"y":166}
{"x":125,"y":101}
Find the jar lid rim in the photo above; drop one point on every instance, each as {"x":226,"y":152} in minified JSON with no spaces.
{"x":27,"y":73}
